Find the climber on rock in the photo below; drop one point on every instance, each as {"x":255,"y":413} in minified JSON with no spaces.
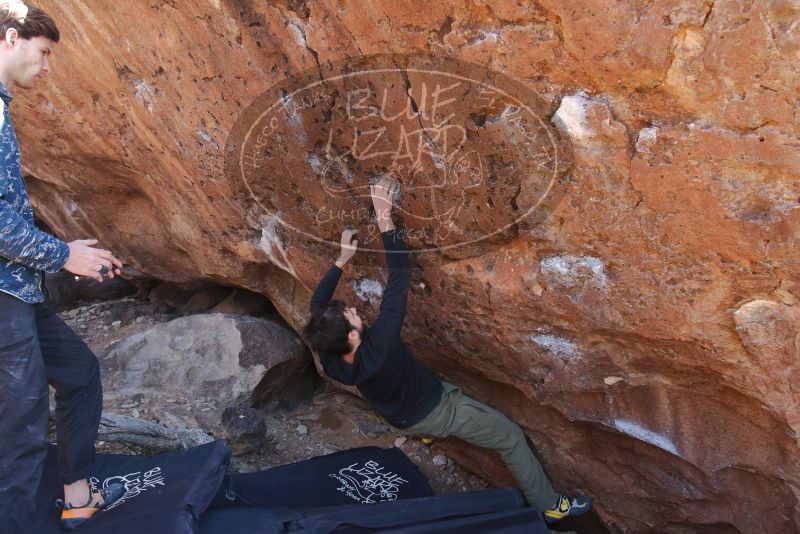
{"x":36,"y":346}
{"x":397,"y":386}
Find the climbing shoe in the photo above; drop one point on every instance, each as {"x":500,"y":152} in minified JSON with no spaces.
{"x":566,"y":506}
{"x":74,"y":516}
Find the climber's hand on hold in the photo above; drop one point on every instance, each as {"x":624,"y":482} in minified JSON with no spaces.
{"x":349,"y":246}
{"x":383,"y":192}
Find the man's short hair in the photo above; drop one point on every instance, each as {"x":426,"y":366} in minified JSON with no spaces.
{"x":327,"y":330}
{"x":36,"y":23}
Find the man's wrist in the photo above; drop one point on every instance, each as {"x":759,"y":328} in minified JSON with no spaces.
{"x":341,"y":262}
{"x":386,"y":225}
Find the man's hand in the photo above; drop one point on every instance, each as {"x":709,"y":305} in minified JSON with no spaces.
{"x":383,"y":192}
{"x":85,"y":260}
{"x":349,"y":247}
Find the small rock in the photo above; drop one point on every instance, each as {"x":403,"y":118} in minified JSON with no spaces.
{"x":135,"y":412}
{"x":400,"y":441}
{"x":302,"y":430}
{"x":130,"y":403}
{"x":240,"y":466}
{"x":439,"y":460}
{"x":242,"y":427}
{"x":371,"y":429}
{"x":84,"y":327}
{"x":116,"y":324}
{"x":101,"y":443}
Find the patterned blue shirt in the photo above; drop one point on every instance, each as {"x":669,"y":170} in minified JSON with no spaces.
{"x":25,"y":251}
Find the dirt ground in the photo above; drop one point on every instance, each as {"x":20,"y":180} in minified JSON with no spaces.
{"x":328,"y":421}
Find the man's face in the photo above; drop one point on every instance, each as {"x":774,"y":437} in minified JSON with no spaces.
{"x":354,"y":320}
{"x":31,"y":60}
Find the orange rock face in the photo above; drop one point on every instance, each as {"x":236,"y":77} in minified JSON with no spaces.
{"x":610,"y":222}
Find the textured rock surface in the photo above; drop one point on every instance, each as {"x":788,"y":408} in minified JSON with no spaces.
{"x":644,"y":334}
{"x":215,"y":357}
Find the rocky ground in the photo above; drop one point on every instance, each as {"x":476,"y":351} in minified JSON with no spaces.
{"x":322,"y":422}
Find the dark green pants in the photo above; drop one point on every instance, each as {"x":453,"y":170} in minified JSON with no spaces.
{"x":463,"y":417}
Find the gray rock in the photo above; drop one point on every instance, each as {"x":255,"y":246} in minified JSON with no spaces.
{"x":208,"y":418}
{"x":302,"y":430}
{"x":237,"y":465}
{"x":242,"y":427}
{"x":371,"y":429}
{"x":215,"y":358}
{"x":439,"y":460}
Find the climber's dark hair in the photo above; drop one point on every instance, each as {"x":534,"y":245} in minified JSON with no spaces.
{"x":327,"y":330}
{"x":36,"y":23}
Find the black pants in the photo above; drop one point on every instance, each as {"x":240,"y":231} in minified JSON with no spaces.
{"x":37,"y":348}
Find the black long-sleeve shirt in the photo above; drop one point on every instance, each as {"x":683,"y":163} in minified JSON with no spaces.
{"x":386,"y":373}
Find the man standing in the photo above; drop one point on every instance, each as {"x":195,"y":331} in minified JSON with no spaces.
{"x":36,"y":346}
{"x":397,"y":386}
